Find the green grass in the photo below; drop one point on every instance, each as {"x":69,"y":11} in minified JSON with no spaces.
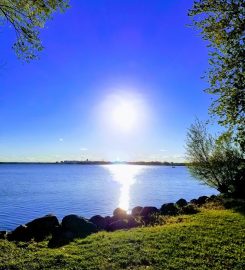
{"x":211,"y":239}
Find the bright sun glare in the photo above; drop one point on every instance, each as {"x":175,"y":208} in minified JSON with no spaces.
{"x":124,"y":115}
{"x":125,"y":176}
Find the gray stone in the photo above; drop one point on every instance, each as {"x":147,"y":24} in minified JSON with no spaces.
{"x":36,"y":229}
{"x":42,"y":227}
{"x":148,"y":210}
{"x":169,"y":209}
{"x":21,"y":233}
{"x":132,"y":222}
{"x":99,"y":221}
{"x":61,"y":237}
{"x":201,"y":200}
{"x":189,"y":209}
{"x":119,"y":213}
{"x":136,"y":211}
{"x":181,"y":203}
{"x":118,"y":225}
{"x":79,"y":226}
{"x":3,"y":234}
{"x":193,"y":201}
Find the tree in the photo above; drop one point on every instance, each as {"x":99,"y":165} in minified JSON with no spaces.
{"x":217,"y":163}
{"x":27,"y":17}
{"x":222,"y":24}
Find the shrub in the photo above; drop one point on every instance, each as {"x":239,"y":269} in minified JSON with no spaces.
{"x":218,"y":163}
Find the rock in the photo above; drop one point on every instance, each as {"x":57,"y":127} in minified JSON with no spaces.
{"x":132,"y":223}
{"x":60,"y":237}
{"x":118,"y":225}
{"x":136,"y":211}
{"x":79,"y":226}
{"x":181,"y":203}
{"x":148,"y":210}
{"x":169,"y":209}
{"x":21,"y":233}
{"x":119,"y":213}
{"x":189,"y":209}
{"x":193,"y":201}
{"x":99,"y":221}
{"x":213,"y":198}
{"x":42,"y":227}
{"x":36,"y":229}
{"x":109,"y":220}
{"x":3,"y":234}
{"x":201,"y":200}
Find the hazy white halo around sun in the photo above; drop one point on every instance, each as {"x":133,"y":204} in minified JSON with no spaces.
{"x":124,"y":112}
{"x":124,"y":115}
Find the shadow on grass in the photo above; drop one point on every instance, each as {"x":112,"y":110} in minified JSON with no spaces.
{"x":237,"y":205}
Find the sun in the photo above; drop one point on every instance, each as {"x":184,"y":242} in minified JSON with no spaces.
{"x":124,"y":115}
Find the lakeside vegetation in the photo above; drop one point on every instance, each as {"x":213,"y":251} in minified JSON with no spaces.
{"x":211,"y":239}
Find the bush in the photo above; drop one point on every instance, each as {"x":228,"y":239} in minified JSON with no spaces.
{"x":218,"y":163}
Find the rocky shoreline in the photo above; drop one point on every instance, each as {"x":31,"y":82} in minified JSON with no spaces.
{"x":74,"y":226}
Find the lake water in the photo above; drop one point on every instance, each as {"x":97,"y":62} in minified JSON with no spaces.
{"x":30,"y":191}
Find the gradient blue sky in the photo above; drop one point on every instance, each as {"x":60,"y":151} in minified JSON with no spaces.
{"x":54,"y":108}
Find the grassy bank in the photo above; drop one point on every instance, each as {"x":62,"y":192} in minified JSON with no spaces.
{"x":211,"y":239}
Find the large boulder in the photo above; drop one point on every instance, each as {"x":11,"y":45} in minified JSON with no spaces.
{"x":148,"y":211}
{"x":3,"y":234}
{"x":42,"y":227}
{"x":189,"y":209}
{"x":21,"y":233}
{"x":119,"y":213}
{"x":109,"y":220}
{"x":213,"y":198}
{"x":127,"y":223}
{"x":60,"y":237}
{"x":99,"y":221}
{"x":202,"y":200}
{"x":79,"y":226}
{"x":194,"y":201}
{"x":118,"y":225}
{"x":132,"y":222}
{"x":36,"y":229}
{"x":169,"y":209}
{"x":181,"y":203}
{"x":136,"y":211}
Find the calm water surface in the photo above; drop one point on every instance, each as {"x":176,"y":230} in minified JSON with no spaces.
{"x":30,"y":191}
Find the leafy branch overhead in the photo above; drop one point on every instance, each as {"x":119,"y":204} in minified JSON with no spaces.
{"x":27,"y":17}
{"x":222,"y":24}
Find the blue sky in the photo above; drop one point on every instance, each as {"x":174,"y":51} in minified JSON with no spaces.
{"x":98,"y":52}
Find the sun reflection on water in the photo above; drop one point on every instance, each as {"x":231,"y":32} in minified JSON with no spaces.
{"x":125,"y":175}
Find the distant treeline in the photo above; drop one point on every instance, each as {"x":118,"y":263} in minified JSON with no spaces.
{"x":87,"y":162}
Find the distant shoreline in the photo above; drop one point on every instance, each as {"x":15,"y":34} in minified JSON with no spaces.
{"x":150,"y":163}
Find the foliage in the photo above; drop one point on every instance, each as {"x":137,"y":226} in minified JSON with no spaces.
{"x":27,"y":17}
{"x":187,"y":243}
{"x":222,"y":24}
{"x":219,"y":164}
